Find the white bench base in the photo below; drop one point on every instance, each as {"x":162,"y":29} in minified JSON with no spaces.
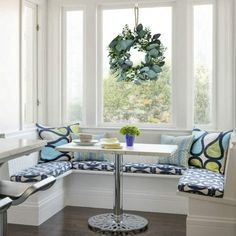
{"x":142,"y":192}
{"x":211,"y":218}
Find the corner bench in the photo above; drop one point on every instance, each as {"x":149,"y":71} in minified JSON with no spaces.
{"x":210,"y":204}
{"x":147,"y":187}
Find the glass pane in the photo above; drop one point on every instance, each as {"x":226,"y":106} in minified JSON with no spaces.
{"x":125,"y":101}
{"x":203,"y":63}
{"x":74,"y":65}
{"x":29,"y":63}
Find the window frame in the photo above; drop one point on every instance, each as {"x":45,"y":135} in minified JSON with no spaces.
{"x":40,"y":105}
{"x":181,"y":52}
{"x":23,"y":124}
{"x":63,"y":62}
{"x":111,"y":6}
{"x":194,"y":3}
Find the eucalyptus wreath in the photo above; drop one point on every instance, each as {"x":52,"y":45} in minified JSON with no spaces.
{"x":141,"y":39}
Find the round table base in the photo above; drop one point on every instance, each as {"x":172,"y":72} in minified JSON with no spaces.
{"x":106,"y":224}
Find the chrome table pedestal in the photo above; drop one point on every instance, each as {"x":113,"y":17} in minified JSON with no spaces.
{"x":118,"y":223}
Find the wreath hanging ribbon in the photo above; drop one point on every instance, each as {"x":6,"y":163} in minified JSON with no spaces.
{"x":141,"y":39}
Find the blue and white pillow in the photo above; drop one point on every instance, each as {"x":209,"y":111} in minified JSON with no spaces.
{"x":181,"y":156}
{"x":89,"y":156}
{"x":209,"y":150}
{"x":56,"y":137}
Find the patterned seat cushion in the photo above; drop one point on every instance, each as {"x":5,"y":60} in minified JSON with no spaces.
{"x":203,"y":182}
{"x":93,"y":165}
{"x":130,"y":167}
{"x":153,"y":168}
{"x":42,"y":171}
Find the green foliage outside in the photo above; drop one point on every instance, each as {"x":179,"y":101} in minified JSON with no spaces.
{"x":74,"y":111}
{"x":151,"y":101}
{"x":202,"y":106}
{"x":146,"y":103}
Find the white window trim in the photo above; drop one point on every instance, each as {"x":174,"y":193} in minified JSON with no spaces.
{"x":183,"y":110}
{"x":63,"y":62}
{"x":106,"y":6}
{"x":190,"y":70}
{"x":40,"y":64}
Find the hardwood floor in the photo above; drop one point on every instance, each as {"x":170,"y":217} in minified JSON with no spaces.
{"x":72,"y":221}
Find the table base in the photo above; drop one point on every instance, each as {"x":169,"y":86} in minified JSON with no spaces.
{"x":107,"y":224}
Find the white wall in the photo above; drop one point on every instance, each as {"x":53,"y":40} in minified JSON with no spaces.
{"x":9,"y":65}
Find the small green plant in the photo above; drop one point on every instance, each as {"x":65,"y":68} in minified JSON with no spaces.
{"x":131,"y":130}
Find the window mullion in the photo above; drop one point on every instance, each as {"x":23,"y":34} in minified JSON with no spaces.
{"x":182,"y":104}
{"x":90,"y":83}
{"x":224,"y":64}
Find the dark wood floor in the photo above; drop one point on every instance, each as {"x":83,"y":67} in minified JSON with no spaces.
{"x":72,"y":221}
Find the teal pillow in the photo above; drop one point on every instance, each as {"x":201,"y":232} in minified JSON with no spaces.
{"x":56,"y":137}
{"x":181,"y":156}
{"x":209,"y":150}
{"x":89,"y":156}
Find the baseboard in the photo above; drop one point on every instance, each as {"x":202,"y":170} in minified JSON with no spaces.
{"x":138,"y":201}
{"x":205,"y":226}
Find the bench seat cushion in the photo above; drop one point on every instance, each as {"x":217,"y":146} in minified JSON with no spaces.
{"x":130,"y":167}
{"x":42,"y":171}
{"x":203,"y":182}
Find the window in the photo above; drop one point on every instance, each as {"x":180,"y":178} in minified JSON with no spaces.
{"x":198,"y":36}
{"x":127,"y":102}
{"x":73,"y":65}
{"x":29,"y":63}
{"x":203,"y":64}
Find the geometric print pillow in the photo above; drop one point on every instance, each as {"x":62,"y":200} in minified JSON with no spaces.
{"x":209,"y":150}
{"x":181,"y":156}
{"x":56,"y":137}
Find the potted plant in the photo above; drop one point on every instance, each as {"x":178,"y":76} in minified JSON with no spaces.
{"x":130,"y":132}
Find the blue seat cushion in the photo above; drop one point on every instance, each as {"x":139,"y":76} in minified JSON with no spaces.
{"x":147,"y":168}
{"x":42,"y":171}
{"x":93,"y":165}
{"x":203,"y":182}
{"x":130,"y":167}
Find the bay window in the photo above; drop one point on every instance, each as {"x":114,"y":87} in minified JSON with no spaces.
{"x":195,"y":83}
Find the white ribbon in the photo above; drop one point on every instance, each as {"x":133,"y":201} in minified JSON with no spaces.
{"x":136,"y":15}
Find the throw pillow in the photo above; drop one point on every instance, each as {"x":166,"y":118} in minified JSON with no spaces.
{"x":89,"y":156}
{"x":56,"y":137}
{"x":181,"y":156}
{"x":209,"y":150}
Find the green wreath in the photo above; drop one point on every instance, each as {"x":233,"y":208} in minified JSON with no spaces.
{"x":141,"y":39}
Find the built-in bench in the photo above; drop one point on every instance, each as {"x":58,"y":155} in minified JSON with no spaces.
{"x":206,"y":196}
{"x":147,"y":187}
{"x":214,"y":215}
